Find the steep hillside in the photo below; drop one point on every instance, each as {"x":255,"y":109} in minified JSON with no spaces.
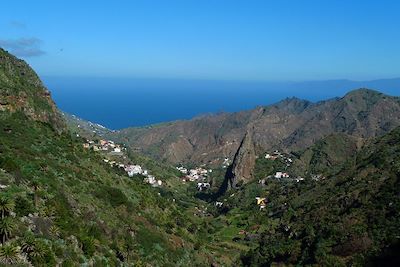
{"x":62,"y":205}
{"x":326,"y":155}
{"x":351,"y":218}
{"x":83,"y":127}
{"x":22,"y":90}
{"x":200,"y":140}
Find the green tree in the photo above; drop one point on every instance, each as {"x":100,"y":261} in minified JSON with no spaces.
{"x":35,"y":184}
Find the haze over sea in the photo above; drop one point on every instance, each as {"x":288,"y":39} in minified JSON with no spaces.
{"x":121,"y":102}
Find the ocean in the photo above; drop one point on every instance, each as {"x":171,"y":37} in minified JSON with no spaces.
{"x":120,"y":102}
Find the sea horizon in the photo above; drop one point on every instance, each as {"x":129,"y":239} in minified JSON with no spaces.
{"x":118,"y":103}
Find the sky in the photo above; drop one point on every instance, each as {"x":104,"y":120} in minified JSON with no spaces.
{"x":219,"y":40}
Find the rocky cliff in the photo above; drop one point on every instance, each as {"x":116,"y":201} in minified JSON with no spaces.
{"x":243,"y":162}
{"x":22,"y":91}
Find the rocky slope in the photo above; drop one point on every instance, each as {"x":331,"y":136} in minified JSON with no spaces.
{"x":22,"y":90}
{"x":289,"y":125}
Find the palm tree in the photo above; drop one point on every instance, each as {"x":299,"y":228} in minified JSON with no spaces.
{"x":6,"y":206}
{"x":28,"y":243}
{"x":39,"y":252}
{"x":10,"y":254}
{"x":34,"y":248}
{"x":7,"y":226}
{"x":36,"y":187}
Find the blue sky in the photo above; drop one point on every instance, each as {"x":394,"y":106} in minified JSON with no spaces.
{"x":227,"y":40}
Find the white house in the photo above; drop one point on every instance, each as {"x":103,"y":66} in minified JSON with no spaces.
{"x":150,"y":179}
{"x":280,"y":175}
{"x":182,"y":170}
{"x":219,"y":204}
{"x":201,"y":186}
{"x":133,"y":170}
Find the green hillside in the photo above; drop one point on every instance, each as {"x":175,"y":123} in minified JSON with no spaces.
{"x":350,"y":218}
{"x":77,"y":209}
{"x":60,"y":204}
{"x":326,"y":155}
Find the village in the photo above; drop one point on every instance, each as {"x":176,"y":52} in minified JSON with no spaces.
{"x":113,"y":152}
{"x":199,"y":175}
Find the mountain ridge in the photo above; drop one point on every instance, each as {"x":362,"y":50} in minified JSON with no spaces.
{"x":289,"y":125}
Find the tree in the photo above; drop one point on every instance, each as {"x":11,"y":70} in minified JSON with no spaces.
{"x":35,"y":184}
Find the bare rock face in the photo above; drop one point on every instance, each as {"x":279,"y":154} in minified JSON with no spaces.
{"x":21,"y":90}
{"x":243,"y":163}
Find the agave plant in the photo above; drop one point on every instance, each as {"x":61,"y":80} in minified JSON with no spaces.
{"x":54,"y":231}
{"x":6,"y":206}
{"x":39,"y":251}
{"x":28,"y":243}
{"x":34,"y":249}
{"x":7,"y":226}
{"x":10,"y":254}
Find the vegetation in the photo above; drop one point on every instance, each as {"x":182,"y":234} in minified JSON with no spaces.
{"x":61,"y":205}
{"x":350,"y":218}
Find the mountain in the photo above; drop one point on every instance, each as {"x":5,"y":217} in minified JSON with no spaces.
{"x":290,"y":125}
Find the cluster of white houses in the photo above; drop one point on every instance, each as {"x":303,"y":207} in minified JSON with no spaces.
{"x":279,"y":176}
{"x":278,"y":155}
{"x":133,"y":170}
{"x":197,"y":174}
{"x":105,"y":146}
{"x":113,"y":149}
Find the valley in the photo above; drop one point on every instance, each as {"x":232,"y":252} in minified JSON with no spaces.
{"x":293,"y":183}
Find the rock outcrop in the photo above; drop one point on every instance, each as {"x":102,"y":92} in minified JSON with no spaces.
{"x":242,"y":167}
{"x":22,"y":90}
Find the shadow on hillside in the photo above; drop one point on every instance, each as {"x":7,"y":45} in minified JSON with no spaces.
{"x":213,"y":196}
{"x":390,"y":257}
